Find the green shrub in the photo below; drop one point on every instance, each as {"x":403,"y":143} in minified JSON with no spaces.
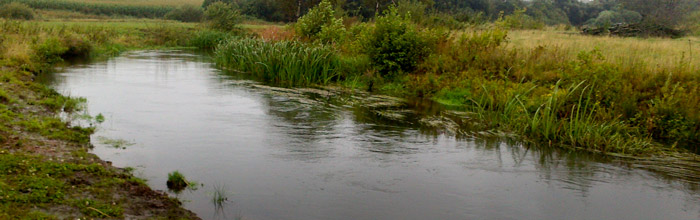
{"x":48,"y":52}
{"x":607,"y":18}
{"x":417,"y":12}
{"x":222,"y":16}
{"x":285,"y":63}
{"x":176,"y":181}
{"x":333,"y":33}
{"x":206,"y":3}
{"x":519,"y":20}
{"x":412,"y":9}
{"x":186,"y":13}
{"x":77,"y":46}
{"x":16,"y":10}
{"x":321,"y":24}
{"x":396,"y":45}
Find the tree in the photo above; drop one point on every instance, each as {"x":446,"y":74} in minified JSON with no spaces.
{"x":222,"y":16}
{"x":662,"y":12}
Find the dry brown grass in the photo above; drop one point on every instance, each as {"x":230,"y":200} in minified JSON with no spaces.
{"x":274,"y":33}
{"x":651,"y":54}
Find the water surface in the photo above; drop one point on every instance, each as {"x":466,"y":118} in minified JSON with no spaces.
{"x":294,"y":156}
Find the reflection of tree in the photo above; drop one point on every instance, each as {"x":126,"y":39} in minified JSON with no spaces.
{"x":306,"y":123}
{"x":315,"y":127}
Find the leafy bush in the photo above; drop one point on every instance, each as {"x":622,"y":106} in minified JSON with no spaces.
{"x":412,"y":9}
{"x":16,"y":10}
{"x":77,"y":46}
{"x":222,"y":16}
{"x":395,"y":44}
{"x":320,"y":24}
{"x":48,"y":52}
{"x":333,"y":32}
{"x":186,"y":13}
{"x":607,"y":18}
{"x":206,"y":3}
{"x":176,"y":181}
{"x":519,"y":20}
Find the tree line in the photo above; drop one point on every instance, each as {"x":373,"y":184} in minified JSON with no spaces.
{"x":551,"y":12}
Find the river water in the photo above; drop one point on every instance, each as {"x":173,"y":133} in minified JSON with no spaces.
{"x":281,"y":154}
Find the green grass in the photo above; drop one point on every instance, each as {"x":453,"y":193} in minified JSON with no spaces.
{"x":176,"y":181}
{"x":285,"y":63}
{"x":219,"y":196}
{"x":99,"y":8}
{"x":28,"y":182}
{"x":45,"y":170}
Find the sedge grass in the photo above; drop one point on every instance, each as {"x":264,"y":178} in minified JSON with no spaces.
{"x":284,"y":63}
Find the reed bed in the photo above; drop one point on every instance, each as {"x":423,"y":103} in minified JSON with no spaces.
{"x":284,"y":63}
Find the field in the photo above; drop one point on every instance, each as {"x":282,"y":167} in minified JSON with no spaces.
{"x":653,"y":53}
{"x":139,"y":9}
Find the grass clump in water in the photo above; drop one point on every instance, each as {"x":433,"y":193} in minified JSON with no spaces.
{"x":176,"y":181}
{"x":220,"y":196}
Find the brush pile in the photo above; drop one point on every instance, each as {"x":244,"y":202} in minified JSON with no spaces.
{"x":634,"y":30}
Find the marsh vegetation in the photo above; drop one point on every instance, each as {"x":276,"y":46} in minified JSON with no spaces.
{"x":519,"y":67}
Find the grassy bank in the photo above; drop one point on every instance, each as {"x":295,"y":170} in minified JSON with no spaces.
{"x":45,"y":169}
{"x":631,"y":96}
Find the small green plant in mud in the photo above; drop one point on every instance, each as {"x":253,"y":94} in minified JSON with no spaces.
{"x":177,"y":182}
{"x":98,"y":209}
{"x":114,"y":143}
{"x":100,"y":118}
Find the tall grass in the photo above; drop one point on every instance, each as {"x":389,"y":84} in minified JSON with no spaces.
{"x":285,"y":63}
{"x":572,"y":92}
{"x":36,"y":46}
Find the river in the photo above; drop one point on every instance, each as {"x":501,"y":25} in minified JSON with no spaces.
{"x":286,"y":154}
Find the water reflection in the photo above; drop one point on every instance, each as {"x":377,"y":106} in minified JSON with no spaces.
{"x":309,"y":154}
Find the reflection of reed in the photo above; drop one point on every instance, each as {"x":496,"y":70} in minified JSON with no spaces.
{"x":219,"y":200}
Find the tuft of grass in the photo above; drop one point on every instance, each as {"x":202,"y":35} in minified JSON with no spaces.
{"x":98,"y":209}
{"x":219,"y":196}
{"x":176,"y":181}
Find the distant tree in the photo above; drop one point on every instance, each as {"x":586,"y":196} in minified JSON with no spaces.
{"x":610,"y":17}
{"x":662,"y":12}
{"x":206,"y":3}
{"x":548,"y":12}
{"x":186,"y":13}
{"x":16,"y":10}
{"x":222,"y":16}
